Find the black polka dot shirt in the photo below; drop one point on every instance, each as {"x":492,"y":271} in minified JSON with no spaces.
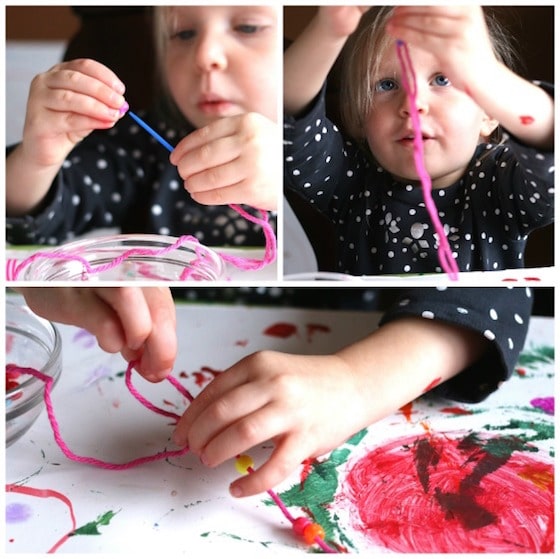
{"x":500,"y":314}
{"x":122,"y":178}
{"x":382,"y":225}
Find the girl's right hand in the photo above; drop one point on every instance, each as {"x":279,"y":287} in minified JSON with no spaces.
{"x":67,"y":103}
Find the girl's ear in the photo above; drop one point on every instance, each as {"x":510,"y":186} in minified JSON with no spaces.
{"x":488,"y":126}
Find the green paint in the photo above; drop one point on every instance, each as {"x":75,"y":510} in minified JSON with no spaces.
{"x":91,"y":528}
{"x":234,"y":537}
{"x":542,"y":431}
{"x":317,"y":492}
{"x":536,"y":355}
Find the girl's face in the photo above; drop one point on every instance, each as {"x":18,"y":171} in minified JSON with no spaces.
{"x":452,"y":124}
{"x":221,"y":61}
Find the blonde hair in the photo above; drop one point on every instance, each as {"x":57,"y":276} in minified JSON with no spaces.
{"x":362,"y":56}
{"x":163,"y":26}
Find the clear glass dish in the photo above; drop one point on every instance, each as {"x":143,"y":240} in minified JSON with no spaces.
{"x":32,"y":342}
{"x":126,"y":258}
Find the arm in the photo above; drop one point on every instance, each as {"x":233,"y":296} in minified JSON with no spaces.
{"x":65,"y":104}
{"x":138,"y":322}
{"x":308,"y":60}
{"x":459,"y":38}
{"x":291,"y":398}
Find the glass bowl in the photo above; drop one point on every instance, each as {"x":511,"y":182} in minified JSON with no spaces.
{"x":32,"y":342}
{"x":127,"y":258}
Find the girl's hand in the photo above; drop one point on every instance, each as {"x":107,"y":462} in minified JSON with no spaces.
{"x":456,"y":35}
{"x":233,"y":160}
{"x":65,"y":104}
{"x":137,"y":322}
{"x":291,"y":399}
{"x":340,"y":21}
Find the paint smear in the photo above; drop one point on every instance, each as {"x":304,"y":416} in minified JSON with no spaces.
{"x":17,"y":512}
{"x":46,"y":494}
{"x":545,"y":404}
{"x":312,"y":329}
{"x":449,"y":493}
{"x":526,"y":119}
{"x":281,"y":330}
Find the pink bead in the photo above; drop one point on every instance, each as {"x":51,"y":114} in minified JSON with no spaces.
{"x":300,"y":524}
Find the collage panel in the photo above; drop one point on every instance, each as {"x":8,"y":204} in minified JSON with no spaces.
{"x":143,"y":142}
{"x":356,"y":358}
{"x":336,"y":419}
{"x":412,"y":149}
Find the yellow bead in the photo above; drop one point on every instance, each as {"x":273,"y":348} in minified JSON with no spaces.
{"x":243,"y":462}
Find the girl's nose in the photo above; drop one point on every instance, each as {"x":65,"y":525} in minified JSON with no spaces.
{"x":421,"y":102}
{"x":210,"y":53}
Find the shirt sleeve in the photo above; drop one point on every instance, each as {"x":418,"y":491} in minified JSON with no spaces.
{"x":499,"y":314}
{"x":102,"y":178}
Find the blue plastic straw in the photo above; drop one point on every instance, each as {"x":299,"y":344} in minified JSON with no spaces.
{"x":151,"y":131}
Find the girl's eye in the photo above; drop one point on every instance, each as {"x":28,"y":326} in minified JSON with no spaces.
{"x":386,"y":84}
{"x":441,"y":80}
{"x":247,"y":28}
{"x":185,"y":35}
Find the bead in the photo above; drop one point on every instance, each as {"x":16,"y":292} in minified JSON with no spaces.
{"x":243,"y":462}
{"x":311,"y":532}
{"x":299,"y":525}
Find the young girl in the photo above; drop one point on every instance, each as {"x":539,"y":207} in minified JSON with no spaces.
{"x":461,"y":342}
{"x":489,"y":196}
{"x":83,"y":164}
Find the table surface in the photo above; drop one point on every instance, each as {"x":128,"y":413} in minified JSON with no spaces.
{"x":433,"y":462}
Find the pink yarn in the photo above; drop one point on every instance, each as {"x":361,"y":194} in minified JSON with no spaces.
{"x":16,"y":371}
{"x":445,"y":256}
{"x":10,"y":368}
{"x":15,"y":268}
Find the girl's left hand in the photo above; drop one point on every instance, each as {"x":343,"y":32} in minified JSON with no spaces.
{"x":233,"y":160}
{"x":456,"y":35}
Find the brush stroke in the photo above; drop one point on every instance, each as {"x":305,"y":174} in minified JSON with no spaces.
{"x":449,"y":493}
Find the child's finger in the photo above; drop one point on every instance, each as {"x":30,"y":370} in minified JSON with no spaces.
{"x":160,"y":348}
{"x":132,"y":310}
{"x":284,"y":460}
{"x":220,"y":128}
{"x":71,"y":70}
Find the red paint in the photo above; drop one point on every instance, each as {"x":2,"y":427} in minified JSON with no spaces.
{"x":521,"y":371}
{"x":450,"y":493}
{"x":45,"y":494}
{"x":526,"y":119}
{"x":314,"y":328}
{"x":457,"y":411}
{"x":281,"y":330}
{"x":432,"y":384}
{"x":201,"y":377}
{"x":406,"y":410}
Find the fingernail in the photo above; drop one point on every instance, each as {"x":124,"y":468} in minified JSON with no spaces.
{"x":235,"y":491}
{"x":123,"y":109}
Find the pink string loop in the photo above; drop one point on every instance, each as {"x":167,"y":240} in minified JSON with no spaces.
{"x":14,"y":369}
{"x":445,"y":256}
{"x":14,"y":267}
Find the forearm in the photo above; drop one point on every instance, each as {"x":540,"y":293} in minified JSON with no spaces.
{"x":521,"y":107}
{"x":405,"y":358}
{"x":307,"y":62}
{"x":26,"y":184}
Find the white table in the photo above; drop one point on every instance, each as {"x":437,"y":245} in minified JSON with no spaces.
{"x":180,"y":507}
